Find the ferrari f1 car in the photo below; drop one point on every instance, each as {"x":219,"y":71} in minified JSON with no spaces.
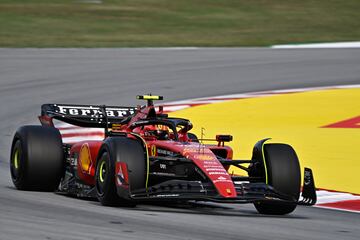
{"x":148,"y":156}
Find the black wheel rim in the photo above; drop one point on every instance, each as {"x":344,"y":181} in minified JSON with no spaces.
{"x":16,"y":162}
{"x":101,"y":175}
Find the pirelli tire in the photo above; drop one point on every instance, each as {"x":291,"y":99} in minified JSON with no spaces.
{"x":125,"y":150}
{"x":37,"y":158}
{"x":283,"y":174}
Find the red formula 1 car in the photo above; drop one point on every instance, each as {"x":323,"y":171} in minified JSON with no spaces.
{"x":147,"y":156}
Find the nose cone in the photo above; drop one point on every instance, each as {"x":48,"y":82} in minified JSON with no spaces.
{"x":206,"y":160}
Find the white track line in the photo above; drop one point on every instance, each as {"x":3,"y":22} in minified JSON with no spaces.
{"x":318,"y":45}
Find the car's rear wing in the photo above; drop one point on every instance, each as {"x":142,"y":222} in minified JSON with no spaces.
{"x":85,"y":115}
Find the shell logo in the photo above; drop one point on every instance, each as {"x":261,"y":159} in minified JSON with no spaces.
{"x":85,"y":158}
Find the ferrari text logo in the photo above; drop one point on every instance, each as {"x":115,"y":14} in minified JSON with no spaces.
{"x":93,"y":111}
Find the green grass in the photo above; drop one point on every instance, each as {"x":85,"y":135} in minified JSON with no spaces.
{"x":150,"y":23}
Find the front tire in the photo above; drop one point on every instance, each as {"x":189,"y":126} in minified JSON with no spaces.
{"x":120,"y":149}
{"x":105,"y":182}
{"x":283,"y":174}
{"x":36,"y":161}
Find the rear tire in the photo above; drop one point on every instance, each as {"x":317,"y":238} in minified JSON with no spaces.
{"x":119,"y":149}
{"x":36,"y":161}
{"x":283,"y":171}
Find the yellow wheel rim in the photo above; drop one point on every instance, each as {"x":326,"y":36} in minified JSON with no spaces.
{"x":16,"y":159}
{"x":102,"y":170}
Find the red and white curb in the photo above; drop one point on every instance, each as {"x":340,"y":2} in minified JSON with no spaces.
{"x":326,"y":198}
{"x":338,"y":200}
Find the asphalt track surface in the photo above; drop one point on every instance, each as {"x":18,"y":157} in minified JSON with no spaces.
{"x":30,"y":77}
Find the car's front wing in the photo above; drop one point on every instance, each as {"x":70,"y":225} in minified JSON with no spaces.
{"x":173,"y":190}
